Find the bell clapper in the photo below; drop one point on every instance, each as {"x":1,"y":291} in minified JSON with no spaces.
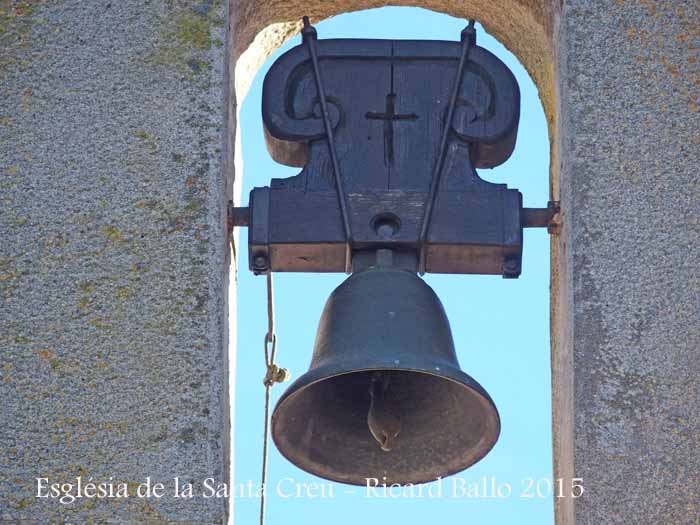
{"x":382,"y":420}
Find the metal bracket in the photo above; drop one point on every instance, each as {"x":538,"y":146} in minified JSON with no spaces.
{"x":238,"y":216}
{"x":548,"y":217}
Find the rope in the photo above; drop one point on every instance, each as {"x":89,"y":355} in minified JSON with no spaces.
{"x":273,"y":374}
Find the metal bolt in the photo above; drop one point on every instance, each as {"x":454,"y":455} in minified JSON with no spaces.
{"x":511,"y":267}
{"x":260,"y":262}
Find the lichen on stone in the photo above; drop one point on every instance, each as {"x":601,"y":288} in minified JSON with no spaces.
{"x":16,"y":23}
{"x":148,"y":140}
{"x":186,"y":37}
{"x":113,"y":234}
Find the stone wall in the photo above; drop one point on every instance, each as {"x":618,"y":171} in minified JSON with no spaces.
{"x":629,"y":139}
{"x":114,"y":254}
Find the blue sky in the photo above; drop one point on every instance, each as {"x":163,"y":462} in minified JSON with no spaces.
{"x":500,"y":327}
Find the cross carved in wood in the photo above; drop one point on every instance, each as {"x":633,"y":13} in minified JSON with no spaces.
{"x":389,"y":116}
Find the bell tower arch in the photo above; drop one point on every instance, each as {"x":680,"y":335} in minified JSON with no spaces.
{"x":613,"y":80}
{"x":525,"y":28}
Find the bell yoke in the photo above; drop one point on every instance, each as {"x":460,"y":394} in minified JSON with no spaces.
{"x":388,"y":135}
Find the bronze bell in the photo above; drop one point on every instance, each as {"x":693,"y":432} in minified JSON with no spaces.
{"x":384,"y":396}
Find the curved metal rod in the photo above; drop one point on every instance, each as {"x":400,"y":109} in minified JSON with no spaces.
{"x":309,"y":36}
{"x":468,"y":40}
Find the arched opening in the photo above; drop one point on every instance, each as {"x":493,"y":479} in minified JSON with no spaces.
{"x":519,"y":172}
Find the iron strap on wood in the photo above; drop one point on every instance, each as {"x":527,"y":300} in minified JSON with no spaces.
{"x":468,"y":40}
{"x":309,"y":36}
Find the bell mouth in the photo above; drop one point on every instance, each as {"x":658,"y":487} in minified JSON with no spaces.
{"x":447,"y":423}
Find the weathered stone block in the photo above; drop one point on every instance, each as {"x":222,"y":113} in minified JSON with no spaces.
{"x":113,"y":262}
